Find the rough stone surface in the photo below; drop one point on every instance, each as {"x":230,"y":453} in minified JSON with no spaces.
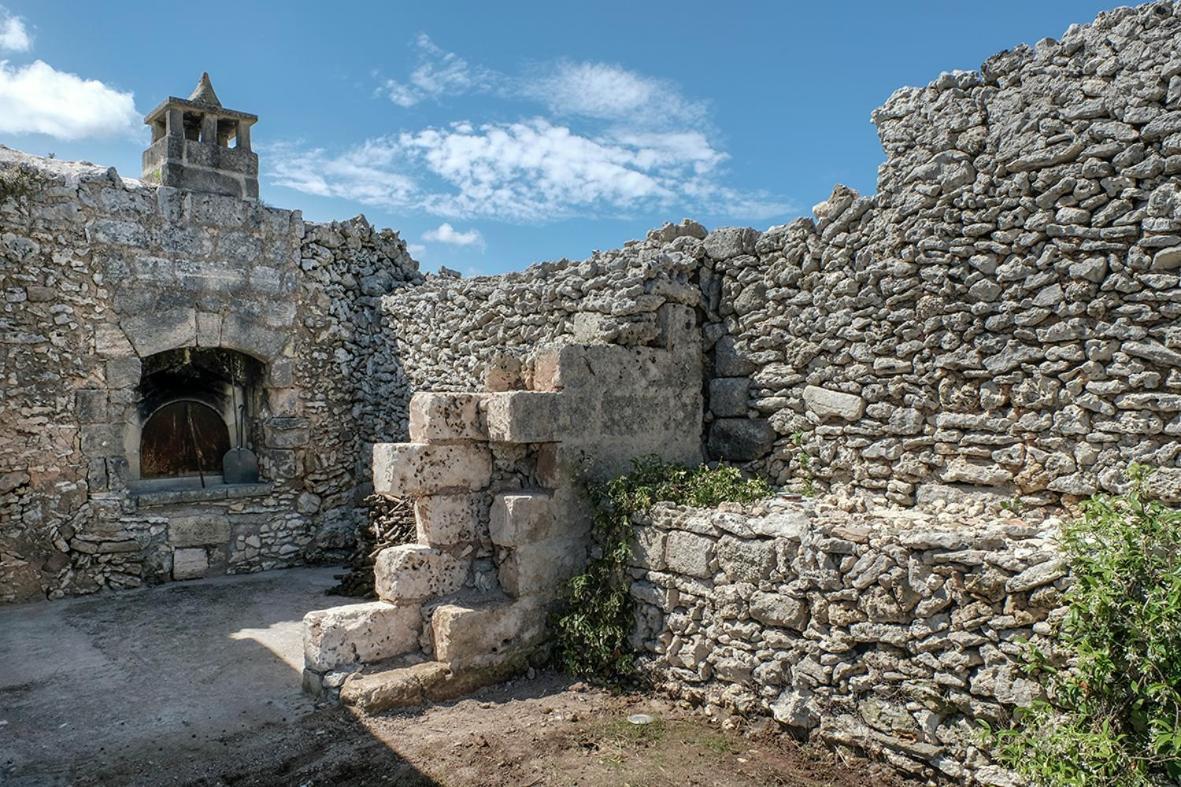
{"x":414,"y":572}
{"x":341,"y":637}
{"x":891,"y":631}
{"x":100,"y":271}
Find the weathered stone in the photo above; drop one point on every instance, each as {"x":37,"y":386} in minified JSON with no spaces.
{"x":446,"y":520}
{"x":414,"y":572}
{"x":340,"y":637}
{"x":440,"y":417}
{"x":833,"y":404}
{"x":415,"y":469}
{"x":475,"y":637}
{"x":518,"y":519}
{"x":728,"y":396}
{"x":189,"y":563}
{"x":740,"y":439}
{"x":523,"y":416}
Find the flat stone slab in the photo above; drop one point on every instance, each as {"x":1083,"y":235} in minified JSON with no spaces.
{"x":359,"y":634}
{"x":413,"y":572}
{"x":439,"y":417}
{"x":417,"y":469}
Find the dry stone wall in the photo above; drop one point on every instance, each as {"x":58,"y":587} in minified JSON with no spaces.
{"x":999,"y":319}
{"x":889,"y":632}
{"x":446,"y":333}
{"x":99,"y":273}
{"x":1002,"y":315}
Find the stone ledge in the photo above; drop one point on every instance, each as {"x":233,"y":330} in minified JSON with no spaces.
{"x":145,"y":498}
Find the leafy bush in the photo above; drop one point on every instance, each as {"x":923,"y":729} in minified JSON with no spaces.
{"x":592,"y":631}
{"x":1116,"y":712}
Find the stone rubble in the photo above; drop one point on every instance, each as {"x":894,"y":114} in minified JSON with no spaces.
{"x":890,"y":631}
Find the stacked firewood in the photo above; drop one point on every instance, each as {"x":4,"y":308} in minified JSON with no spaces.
{"x":391,"y":522}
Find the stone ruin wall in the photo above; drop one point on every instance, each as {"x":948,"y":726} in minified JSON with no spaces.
{"x":1002,"y":315}
{"x":443,"y":335}
{"x":886,"y":632}
{"x":99,"y":271}
{"x":998,"y":319}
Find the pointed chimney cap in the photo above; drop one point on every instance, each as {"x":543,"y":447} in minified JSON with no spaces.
{"x":203,"y":93}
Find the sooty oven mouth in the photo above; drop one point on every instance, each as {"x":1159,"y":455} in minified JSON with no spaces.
{"x":196,"y":419}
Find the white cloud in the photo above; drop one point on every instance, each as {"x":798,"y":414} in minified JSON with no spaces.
{"x":416,"y":250}
{"x":450,"y":236}
{"x":14,"y":37}
{"x":363,"y":173}
{"x":529,"y":171}
{"x":615,"y":143}
{"x":38,"y":99}
{"x":438,"y":73}
{"x":611,"y":92}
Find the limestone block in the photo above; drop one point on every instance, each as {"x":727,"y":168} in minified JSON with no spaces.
{"x":417,"y":469}
{"x":966,"y":471}
{"x":729,"y":242}
{"x":1165,"y":484}
{"x":745,"y":560}
{"x":728,"y":396}
{"x":523,"y":417}
{"x":687,"y":553}
{"x":740,"y":439}
{"x":208,"y":329}
{"x":286,"y":432}
{"x":412,"y":572}
{"x":189,"y":563}
{"x":124,"y":372}
{"x":439,"y":417}
{"x":473,"y":637}
{"x":503,"y":373}
{"x":833,"y":404}
{"x":110,"y":341}
{"x":198,"y":530}
{"x":445,"y":520}
{"x":775,"y":609}
{"x":540,"y":568}
{"x":518,"y":519}
{"x":728,"y":361}
{"x":359,"y":633}
{"x":242,"y":333}
{"x":161,"y":330}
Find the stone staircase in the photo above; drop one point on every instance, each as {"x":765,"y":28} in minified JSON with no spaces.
{"x":467,"y":604}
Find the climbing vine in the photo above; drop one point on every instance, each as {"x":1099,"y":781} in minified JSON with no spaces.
{"x":1115,"y":717}
{"x":596,"y":620}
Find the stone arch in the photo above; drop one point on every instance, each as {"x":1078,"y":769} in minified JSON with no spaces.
{"x":171,"y":329}
{"x":227,"y":382}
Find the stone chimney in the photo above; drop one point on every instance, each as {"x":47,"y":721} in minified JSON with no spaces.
{"x":191,"y":141}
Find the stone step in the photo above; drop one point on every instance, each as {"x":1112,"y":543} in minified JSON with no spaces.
{"x":480,"y":632}
{"x":378,"y":688}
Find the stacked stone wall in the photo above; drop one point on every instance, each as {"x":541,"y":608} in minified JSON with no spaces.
{"x":1002,"y":315}
{"x":99,"y":272}
{"x":999,"y":319}
{"x":444,"y":334}
{"x":890,"y":632}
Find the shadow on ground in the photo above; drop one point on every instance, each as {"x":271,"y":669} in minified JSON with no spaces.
{"x":199,"y":684}
{"x":189,"y":683}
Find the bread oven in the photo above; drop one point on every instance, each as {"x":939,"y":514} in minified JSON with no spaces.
{"x":197,"y":419}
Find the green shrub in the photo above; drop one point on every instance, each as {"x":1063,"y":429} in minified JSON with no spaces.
{"x":597,"y":615}
{"x":1116,"y":712}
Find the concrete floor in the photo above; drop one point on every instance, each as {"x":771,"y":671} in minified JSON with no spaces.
{"x":162,"y":672}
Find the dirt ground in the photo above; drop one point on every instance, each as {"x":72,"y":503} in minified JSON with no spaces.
{"x":525,"y":733}
{"x":196,"y":684}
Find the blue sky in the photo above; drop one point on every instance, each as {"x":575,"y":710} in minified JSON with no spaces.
{"x":495,"y":135}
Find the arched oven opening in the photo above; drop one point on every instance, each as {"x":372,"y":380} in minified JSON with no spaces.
{"x":197,"y":418}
